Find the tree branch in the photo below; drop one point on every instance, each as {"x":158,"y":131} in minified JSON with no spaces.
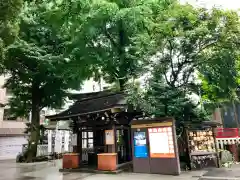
{"x":111,"y":38}
{"x":171,"y":60}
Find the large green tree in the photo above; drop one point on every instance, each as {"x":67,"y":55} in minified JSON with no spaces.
{"x":39,"y":68}
{"x":9,"y":21}
{"x":188,"y":38}
{"x":115,"y":36}
{"x":220,"y":74}
{"x":190,"y":41}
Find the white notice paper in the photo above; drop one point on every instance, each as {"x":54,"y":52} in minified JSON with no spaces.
{"x":159,"y":142}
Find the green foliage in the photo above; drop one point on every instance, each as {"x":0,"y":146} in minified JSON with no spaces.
{"x":220,"y":73}
{"x":189,"y":38}
{"x":220,"y":78}
{"x":39,"y":68}
{"x":114,"y":36}
{"x":38,"y":65}
{"x":161,"y":100}
{"x":190,"y":41}
{"x":9,"y":20}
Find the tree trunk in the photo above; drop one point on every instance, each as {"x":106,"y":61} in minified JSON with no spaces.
{"x":35,"y":126}
{"x":122,"y":83}
{"x":121,"y":53}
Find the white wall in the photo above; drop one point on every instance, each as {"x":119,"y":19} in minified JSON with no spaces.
{"x":12,"y":124}
{"x":4,"y":100}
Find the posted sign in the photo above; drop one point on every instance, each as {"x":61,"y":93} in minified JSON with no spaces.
{"x":161,"y":142}
{"x":140,"y":145}
{"x":109,"y":137}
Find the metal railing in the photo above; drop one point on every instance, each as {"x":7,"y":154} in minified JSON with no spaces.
{"x":42,"y":150}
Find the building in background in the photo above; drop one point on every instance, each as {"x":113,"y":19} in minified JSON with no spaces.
{"x":12,"y":129}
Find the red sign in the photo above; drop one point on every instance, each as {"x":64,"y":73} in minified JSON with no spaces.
{"x":226,"y":132}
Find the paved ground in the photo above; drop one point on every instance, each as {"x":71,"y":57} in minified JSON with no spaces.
{"x":9,"y":170}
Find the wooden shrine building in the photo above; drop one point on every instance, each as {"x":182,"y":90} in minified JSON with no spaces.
{"x":102,"y":121}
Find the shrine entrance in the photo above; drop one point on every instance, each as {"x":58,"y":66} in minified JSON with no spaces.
{"x":95,"y":141}
{"x":101,"y":125}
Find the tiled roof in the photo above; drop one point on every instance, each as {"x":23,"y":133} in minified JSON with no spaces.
{"x":11,"y":131}
{"x":95,"y":102}
{"x":84,"y":96}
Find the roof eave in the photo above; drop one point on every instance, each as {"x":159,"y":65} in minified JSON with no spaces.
{"x":67,"y":117}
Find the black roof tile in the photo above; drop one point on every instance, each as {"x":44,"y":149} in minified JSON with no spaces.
{"x":92,"y":102}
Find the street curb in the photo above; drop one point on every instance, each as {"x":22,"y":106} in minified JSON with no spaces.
{"x":35,"y":163}
{"x":218,"y":178}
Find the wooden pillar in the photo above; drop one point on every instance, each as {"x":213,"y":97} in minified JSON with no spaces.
{"x":216,"y":147}
{"x":187,"y":152}
{"x":130,"y":144}
{"x":113,"y":147}
{"x":127,"y":144}
{"x":79,"y":144}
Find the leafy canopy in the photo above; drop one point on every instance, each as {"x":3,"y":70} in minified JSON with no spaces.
{"x":40,"y":70}
{"x":114,"y":36}
{"x":9,"y":13}
{"x":190,"y":41}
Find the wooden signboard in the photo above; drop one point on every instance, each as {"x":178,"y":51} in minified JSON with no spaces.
{"x":109,"y":137}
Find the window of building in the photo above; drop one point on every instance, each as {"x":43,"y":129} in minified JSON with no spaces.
{"x":8,"y":116}
{"x":87,"y":139}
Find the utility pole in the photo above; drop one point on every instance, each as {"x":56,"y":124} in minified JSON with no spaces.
{"x":235,"y":115}
{"x":237,"y":122}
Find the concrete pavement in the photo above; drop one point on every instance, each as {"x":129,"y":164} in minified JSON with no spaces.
{"x":9,"y":170}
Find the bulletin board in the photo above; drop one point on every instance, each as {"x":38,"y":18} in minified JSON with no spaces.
{"x":161,"y":142}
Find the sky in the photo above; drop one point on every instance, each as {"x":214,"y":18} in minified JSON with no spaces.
{"x":226,"y":4}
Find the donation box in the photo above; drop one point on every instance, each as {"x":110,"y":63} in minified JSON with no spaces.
{"x":155,"y":147}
